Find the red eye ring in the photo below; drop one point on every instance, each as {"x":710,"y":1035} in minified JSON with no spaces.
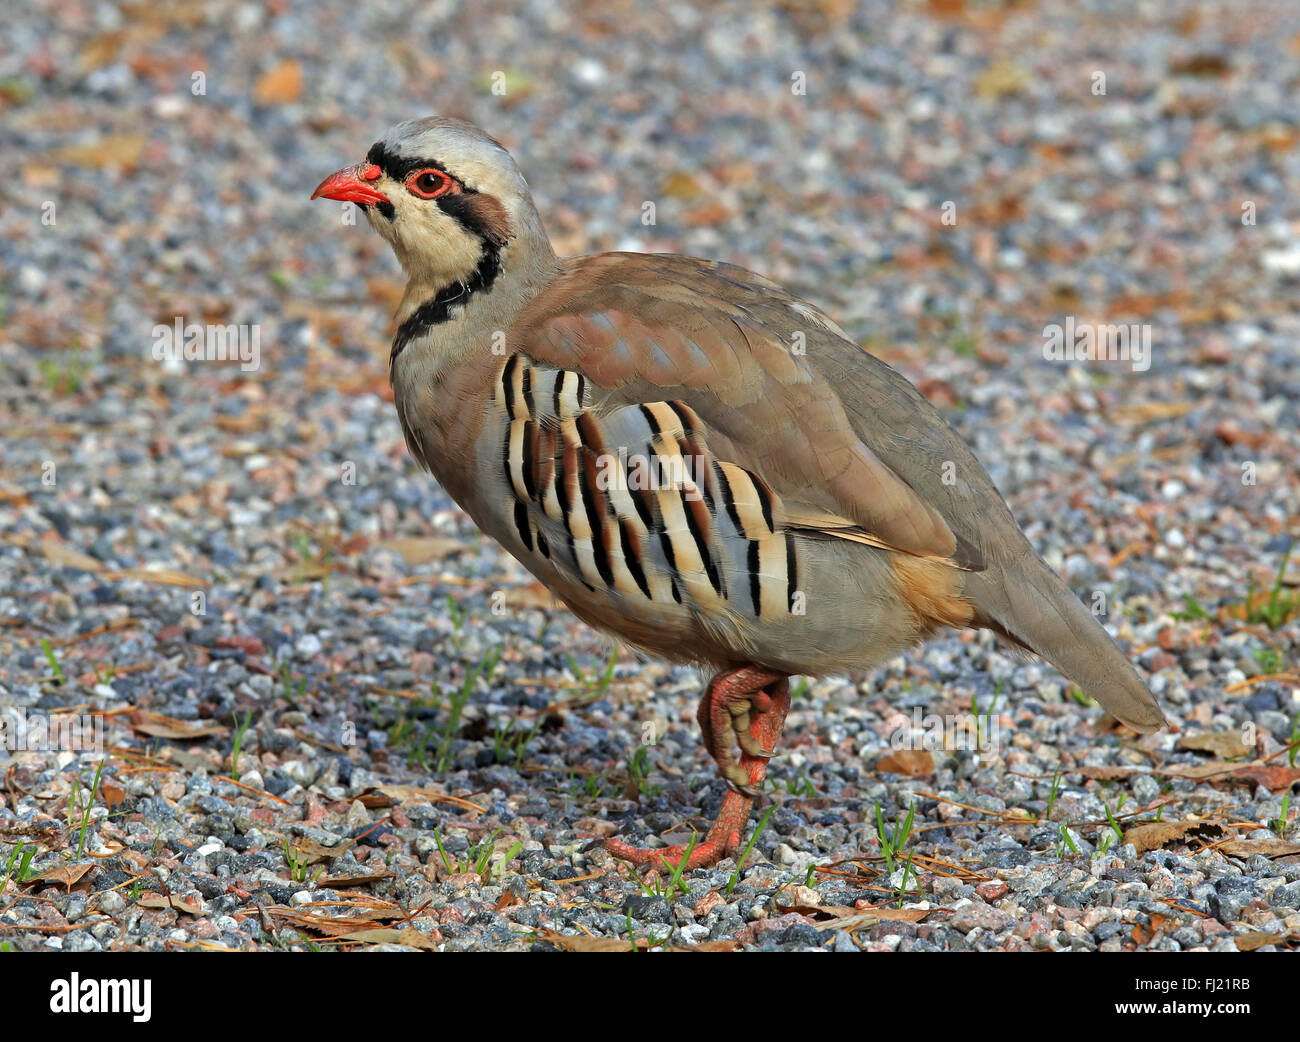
{"x":429,"y":183}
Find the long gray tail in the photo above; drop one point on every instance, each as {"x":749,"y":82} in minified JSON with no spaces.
{"x":1025,"y":600}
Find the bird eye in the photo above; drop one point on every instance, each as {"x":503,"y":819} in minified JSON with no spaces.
{"x":429,"y":184}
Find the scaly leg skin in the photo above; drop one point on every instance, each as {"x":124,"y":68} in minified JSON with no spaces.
{"x":749,"y":703}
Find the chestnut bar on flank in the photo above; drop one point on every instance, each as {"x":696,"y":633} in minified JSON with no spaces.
{"x":823,"y":517}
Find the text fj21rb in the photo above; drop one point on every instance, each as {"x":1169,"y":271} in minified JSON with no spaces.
{"x":1206,"y":984}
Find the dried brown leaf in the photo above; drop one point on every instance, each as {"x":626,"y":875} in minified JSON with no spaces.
{"x":902,"y":915}
{"x":1225,"y":745}
{"x":162,"y":576}
{"x":1144,"y":933}
{"x":400,"y":793}
{"x":408,"y":936}
{"x":1107,"y":772}
{"x":112,"y":150}
{"x":102,"y":49}
{"x":66,"y":556}
{"x":1146,"y":412}
{"x":915,"y":763}
{"x":1204,"y":63}
{"x":825,"y":911}
{"x":1001,"y":79}
{"x":422,"y":549}
{"x":857,"y":921}
{"x":583,"y":943}
{"x":1273,"y":777}
{"x":1154,"y":835}
{"x":190,"y":904}
{"x":158,"y":726}
{"x":684,"y":186}
{"x":1248,"y":942}
{"x":246,"y":643}
{"x":1198,"y":771}
{"x":280,"y":85}
{"x":364,"y":879}
{"x":311,"y":852}
{"x":63,"y":875}
{"x":857,"y":918}
{"x":1269,"y":846}
{"x":533,"y":597}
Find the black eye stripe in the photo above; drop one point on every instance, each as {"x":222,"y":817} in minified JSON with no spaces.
{"x":459,"y":205}
{"x":399,"y":168}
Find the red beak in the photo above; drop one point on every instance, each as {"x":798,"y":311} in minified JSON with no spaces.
{"x":350,"y":186}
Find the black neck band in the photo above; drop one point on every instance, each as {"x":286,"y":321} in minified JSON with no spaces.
{"x":437,"y":309}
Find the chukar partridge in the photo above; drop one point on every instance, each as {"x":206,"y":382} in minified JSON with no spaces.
{"x":694,"y":460}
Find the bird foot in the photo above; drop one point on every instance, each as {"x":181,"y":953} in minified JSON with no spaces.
{"x":738,"y":708}
{"x":751,"y":704}
{"x":669,"y":859}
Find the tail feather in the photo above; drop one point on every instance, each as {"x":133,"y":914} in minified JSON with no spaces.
{"x":1025,"y":600}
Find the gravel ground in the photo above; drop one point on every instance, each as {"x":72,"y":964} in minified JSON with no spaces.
{"x":335,"y":715}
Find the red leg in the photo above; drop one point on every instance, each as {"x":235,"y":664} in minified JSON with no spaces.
{"x":749,"y":698}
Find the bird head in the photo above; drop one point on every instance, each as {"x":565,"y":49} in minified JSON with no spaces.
{"x":447,"y":197}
